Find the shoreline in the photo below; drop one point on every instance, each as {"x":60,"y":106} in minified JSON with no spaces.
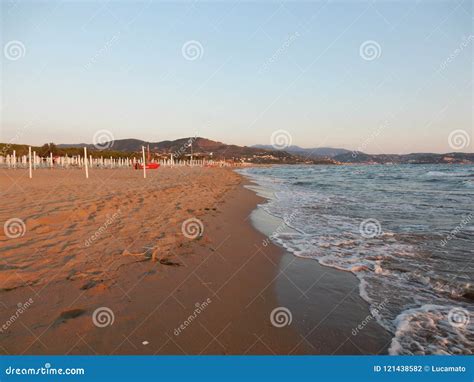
{"x":412,"y":301}
{"x":330,"y":315}
{"x":211,"y":295}
{"x":150,"y":300}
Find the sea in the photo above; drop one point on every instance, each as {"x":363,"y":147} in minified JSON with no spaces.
{"x":405,"y":231}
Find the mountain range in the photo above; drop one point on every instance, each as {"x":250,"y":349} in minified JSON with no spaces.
{"x":316,"y":152}
{"x":268,"y":154}
{"x":201,"y":146}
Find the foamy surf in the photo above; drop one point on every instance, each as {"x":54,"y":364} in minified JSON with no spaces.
{"x":402,"y":256}
{"x":433,"y":329}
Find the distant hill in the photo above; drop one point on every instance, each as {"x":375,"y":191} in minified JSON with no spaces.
{"x":267,"y":153}
{"x":316,"y":152}
{"x":75,"y":145}
{"x":203,"y":146}
{"x":182,"y":145}
{"x":128,"y":145}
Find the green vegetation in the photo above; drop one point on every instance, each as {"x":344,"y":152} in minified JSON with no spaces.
{"x":48,"y":148}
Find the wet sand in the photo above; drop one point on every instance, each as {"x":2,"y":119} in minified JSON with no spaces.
{"x":114,"y":246}
{"x":329,"y":314}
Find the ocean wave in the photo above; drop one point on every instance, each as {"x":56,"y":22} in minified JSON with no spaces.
{"x":468,"y":183}
{"x":403,"y":264}
{"x":433,"y":329}
{"x":448,"y":174}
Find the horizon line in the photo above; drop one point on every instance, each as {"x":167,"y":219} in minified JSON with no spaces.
{"x":267,"y":146}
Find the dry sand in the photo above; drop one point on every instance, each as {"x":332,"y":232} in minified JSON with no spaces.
{"x":114,"y":244}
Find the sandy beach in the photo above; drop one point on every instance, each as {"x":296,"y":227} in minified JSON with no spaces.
{"x":171,"y":264}
{"x":286,"y":179}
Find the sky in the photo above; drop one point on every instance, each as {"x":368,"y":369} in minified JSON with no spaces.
{"x":377,"y":76}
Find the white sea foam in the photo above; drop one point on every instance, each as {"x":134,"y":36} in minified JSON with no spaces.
{"x":428,"y":330}
{"x":403,"y":265}
{"x":441,"y":173}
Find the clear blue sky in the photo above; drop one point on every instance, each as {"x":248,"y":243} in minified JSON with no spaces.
{"x":263,"y":66}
